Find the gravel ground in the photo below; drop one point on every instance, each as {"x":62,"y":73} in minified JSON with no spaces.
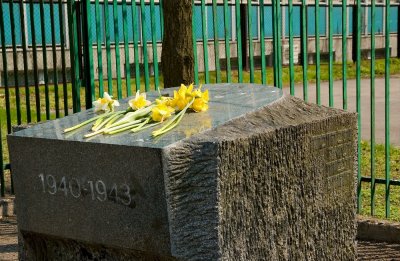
{"x":366,"y":250}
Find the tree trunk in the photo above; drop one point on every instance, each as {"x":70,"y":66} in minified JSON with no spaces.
{"x":177,"y":58}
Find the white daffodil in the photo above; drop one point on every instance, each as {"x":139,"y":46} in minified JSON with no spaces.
{"x":139,"y":101}
{"x":105,"y":104}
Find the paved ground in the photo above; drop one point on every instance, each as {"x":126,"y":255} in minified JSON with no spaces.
{"x":365,"y":104}
{"x":8,"y":239}
{"x":366,"y":250}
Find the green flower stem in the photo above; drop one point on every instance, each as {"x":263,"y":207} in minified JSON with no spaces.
{"x":89,"y":135}
{"x":104,"y":122}
{"x":172,"y":123}
{"x":121,"y":129}
{"x":98,"y":121}
{"x":145,"y":127}
{"x":138,"y":128}
{"x":113,"y":120}
{"x":135,"y":122}
{"x":86,"y":122}
{"x":133,"y":116}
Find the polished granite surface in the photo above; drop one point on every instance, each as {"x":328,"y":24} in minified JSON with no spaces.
{"x":227,"y":101}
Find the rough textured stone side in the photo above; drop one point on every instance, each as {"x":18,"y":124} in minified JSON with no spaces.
{"x":274,"y":199}
{"x":190,"y":169}
{"x":43,"y":247}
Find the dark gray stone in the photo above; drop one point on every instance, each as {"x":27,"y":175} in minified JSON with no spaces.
{"x":260,"y":176}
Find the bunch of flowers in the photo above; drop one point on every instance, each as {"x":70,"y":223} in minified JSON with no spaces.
{"x":142,"y":113}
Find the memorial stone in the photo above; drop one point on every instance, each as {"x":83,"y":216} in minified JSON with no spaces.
{"x":259,"y":176}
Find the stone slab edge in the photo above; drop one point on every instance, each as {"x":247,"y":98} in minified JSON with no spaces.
{"x":372,"y":229}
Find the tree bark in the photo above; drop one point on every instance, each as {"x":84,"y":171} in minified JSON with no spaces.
{"x":177,"y":58}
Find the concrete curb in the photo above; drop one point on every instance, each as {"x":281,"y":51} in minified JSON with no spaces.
{"x":378,"y":230}
{"x":7,"y":208}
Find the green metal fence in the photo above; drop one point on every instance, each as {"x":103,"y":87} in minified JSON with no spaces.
{"x":58,"y":56}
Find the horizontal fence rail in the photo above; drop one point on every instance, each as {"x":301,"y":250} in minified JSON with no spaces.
{"x":58,"y":56}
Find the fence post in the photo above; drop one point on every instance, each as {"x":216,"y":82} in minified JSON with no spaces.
{"x":73,"y":43}
{"x":398,"y":34}
{"x":88,"y":53}
{"x":244,"y":28}
{"x":2,"y":182}
{"x":354,"y":34}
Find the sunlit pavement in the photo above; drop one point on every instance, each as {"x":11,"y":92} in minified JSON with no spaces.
{"x":365,"y":104}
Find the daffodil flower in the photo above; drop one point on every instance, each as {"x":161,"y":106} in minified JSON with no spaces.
{"x":139,"y":101}
{"x":181,"y":97}
{"x":200,"y":105}
{"x":105,"y":104}
{"x":161,"y":112}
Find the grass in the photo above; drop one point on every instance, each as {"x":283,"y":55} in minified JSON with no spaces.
{"x":337,"y":75}
{"x":380,"y":173}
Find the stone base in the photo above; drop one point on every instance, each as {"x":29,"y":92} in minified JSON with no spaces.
{"x":257,"y":177}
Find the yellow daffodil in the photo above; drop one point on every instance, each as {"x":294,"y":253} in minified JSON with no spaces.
{"x":201,"y":100}
{"x":105,"y":104}
{"x":199,"y":105}
{"x":139,"y":101}
{"x":164,"y":100}
{"x":161,"y":112}
{"x":180,"y":99}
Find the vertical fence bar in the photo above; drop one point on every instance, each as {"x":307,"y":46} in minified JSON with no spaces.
{"x":372,"y":75}
{"x":99,"y":48}
{"x":196,"y":63}
{"x":44,"y":54}
{"x":205,"y":41}
{"x":126,"y":49}
{"x":2,"y":181}
{"x":117,"y":52}
{"x":317,"y":53}
{"x":275,"y":42}
{"x":15,"y":62}
{"x":239,"y":41}
{"x":216,"y":42}
{"x":227,"y":43}
{"x":279,"y":42}
{"x":344,"y":53}
{"x":135,"y":45}
{"x":25,"y":58}
{"x":251,"y":47}
{"x":54,"y":54}
{"x":262,"y":44}
{"x":387,"y":109}
{"x":74,"y":55}
{"x":63,"y":66}
{"x":88,"y":54}
{"x":330,"y":69}
{"x":154,"y":44}
{"x":358,"y":97}
{"x":304,"y":40}
{"x":144,"y":46}
{"x":108,"y":46}
{"x":160,"y":2}
{"x":291,"y":51}
{"x":5,"y":69}
{"x":35,"y":65}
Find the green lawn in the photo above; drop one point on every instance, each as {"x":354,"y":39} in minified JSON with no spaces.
{"x":337,"y":75}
